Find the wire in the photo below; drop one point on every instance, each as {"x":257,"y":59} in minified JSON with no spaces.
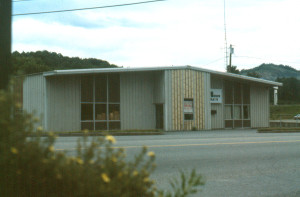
{"x":16,"y":1}
{"x":213,"y":61}
{"x":91,"y":8}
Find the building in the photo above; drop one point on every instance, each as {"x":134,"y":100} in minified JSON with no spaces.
{"x":168,"y":98}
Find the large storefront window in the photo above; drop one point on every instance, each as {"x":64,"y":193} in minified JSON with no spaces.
{"x":100,"y":102}
{"x":237,"y":105}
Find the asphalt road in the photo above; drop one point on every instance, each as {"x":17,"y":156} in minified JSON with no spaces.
{"x":233,"y":162}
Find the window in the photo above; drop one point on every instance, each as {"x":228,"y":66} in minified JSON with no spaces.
{"x":188,"y":109}
{"x":237,"y":105}
{"x":100,"y":102}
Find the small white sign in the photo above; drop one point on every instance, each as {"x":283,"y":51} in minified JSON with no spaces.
{"x":188,"y":106}
{"x":216,"y":96}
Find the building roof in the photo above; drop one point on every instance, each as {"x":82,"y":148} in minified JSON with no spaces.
{"x":144,"y":69}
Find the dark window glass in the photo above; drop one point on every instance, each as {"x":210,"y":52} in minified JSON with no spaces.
{"x":87,"y":125}
{"x":114,"y":126}
{"x":247,"y":123}
{"x":228,"y":93}
{"x":101,"y":126}
{"x":237,"y":93}
{"x":100,"y":111}
{"x":87,"y":88}
{"x":188,"y":116}
{"x":246,"y":94}
{"x":114,"y":88}
{"x":86,"y":111}
{"x":228,"y":124}
{"x":246,"y":112}
{"x":114,"y":112}
{"x":238,"y":124}
{"x":101,"y":88}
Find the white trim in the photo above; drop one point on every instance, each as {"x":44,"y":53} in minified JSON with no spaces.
{"x":110,"y":70}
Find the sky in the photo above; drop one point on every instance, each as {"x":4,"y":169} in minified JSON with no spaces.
{"x":165,"y":33}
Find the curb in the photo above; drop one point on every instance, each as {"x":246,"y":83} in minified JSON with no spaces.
{"x":99,"y":134}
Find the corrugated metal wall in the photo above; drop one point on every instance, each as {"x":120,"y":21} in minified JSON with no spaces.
{"x":159,"y":88}
{"x":190,"y":84}
{"x":34,"y":96}
{"x":137,"y":107}
{"x":259,"y":98}
{"x":63,"y":103}
{"x":217,"y":120}
{"x":168,"y":110}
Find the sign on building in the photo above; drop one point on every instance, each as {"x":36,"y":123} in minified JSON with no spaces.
{"x":216,"y":96}
{"x":188,"y":106}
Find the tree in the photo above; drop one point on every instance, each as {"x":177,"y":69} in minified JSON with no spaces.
{"x":254,"y":74}
{"x":232,"y":69}
{"x":289,"y":93}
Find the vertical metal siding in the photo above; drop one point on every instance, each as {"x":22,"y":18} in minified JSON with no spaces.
{"x":137,"y":108}
{"x":34,"y":96}
{"x":168,"y":101}
{"x":206,"y":102}
{"x":159,"y":88}
{"x":259,"y":99}
{"x":190,"y":84}
{"x":217,"y":120}
{"x":63,"y":103}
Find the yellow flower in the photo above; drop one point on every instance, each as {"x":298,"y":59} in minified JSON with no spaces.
{"x":91,"y":162}
{"x":39,"y":129}
{"x":114,"y":159}
{"x":79,"y":161}
{"x":105,"y":178}
{"x":151,"y":154}
{"x":146,"y":179}
{"x":135,"y":173}
{"x":110,"y":138}
{"x":51,"y":148}
{"x":14,"y":150}
{"x":85,"y":131}
{"x":18,"y":105}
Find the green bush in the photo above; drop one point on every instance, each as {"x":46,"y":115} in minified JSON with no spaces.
{"x":32,"y":167}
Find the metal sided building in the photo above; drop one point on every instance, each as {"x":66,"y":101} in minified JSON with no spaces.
{"x":168,"y":98}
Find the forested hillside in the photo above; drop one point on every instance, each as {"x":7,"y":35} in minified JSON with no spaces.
{"x":273,"y":71}
{"x":34,"y":62}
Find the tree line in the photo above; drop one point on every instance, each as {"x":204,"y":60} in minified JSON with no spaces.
{"x":41,"y":61}
{"x":289,"y":93}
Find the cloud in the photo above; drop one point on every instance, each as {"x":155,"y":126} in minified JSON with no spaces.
{"x":169,"y":33}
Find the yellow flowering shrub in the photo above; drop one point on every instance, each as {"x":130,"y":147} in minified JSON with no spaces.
{"x":30,"y":166}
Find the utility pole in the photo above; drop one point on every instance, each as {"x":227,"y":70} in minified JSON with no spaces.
{"x":5,"y":42}
{"x":231,"y":50}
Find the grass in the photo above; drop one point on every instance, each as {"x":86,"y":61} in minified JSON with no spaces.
{"x":283,"y":111}
{"x":278,"y":130}
{"x":101,"y":132}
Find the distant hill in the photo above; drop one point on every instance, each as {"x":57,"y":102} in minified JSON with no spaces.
{"x":273,"y":71}
{"x":40,"y":61}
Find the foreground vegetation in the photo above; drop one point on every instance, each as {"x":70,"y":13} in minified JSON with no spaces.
{"x":32,"y":167}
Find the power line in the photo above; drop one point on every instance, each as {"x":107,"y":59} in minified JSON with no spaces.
{"x":91,"y":8}
{"x":16,"y":1}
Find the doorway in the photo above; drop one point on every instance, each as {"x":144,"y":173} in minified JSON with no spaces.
{"x":159,"y":111}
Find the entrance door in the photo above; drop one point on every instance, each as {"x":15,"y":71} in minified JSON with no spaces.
{"x":159,"y":116}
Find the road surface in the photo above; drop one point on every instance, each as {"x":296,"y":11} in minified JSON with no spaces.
{"x":233,"y":162}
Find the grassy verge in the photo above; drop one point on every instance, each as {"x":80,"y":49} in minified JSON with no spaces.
{"x":283,"y":111}
{"x":101,"y":133}
{"x":278,"y":130}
